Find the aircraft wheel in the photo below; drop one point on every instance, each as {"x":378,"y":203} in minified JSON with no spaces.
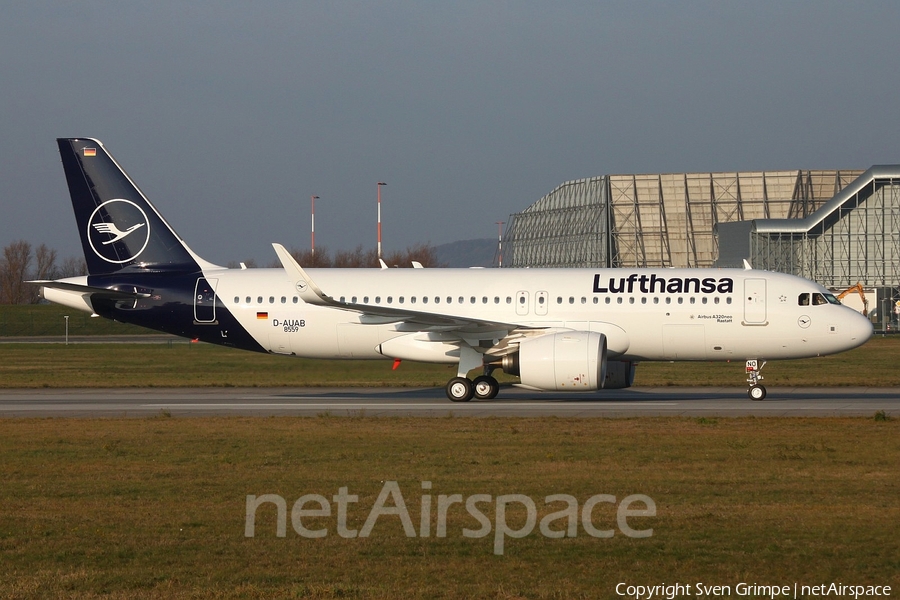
{"x":757,"y":392}
{"x":486,"y":387}
{"x":460,"y":389}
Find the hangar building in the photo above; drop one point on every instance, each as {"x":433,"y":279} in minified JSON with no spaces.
{"x":837,"y":227}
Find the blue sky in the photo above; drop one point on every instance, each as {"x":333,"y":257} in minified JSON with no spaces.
{"x":230,"y":115}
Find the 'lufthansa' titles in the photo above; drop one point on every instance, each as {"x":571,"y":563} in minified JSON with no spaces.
{"x":652,"y":284}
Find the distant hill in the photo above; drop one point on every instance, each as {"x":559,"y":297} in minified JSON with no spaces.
{"x":467,"y":253}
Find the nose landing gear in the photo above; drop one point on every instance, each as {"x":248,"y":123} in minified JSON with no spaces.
{"x":757,"y":391}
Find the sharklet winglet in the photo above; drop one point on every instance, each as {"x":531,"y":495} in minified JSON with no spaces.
{"x":303,"y":283}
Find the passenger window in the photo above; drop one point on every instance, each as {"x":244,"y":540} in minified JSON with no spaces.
{"x":655,"y":300}
{"x":424,"y":299}
{"x":271,"y":299}
{"x":437,"y":300}
{"x":559,"y":299}
{"x":728,"y":300}
{"x":472,"y":300}
{"x":449,"y":300}
{"x":803,"y":300}
{"x":412,"y":300}
{"x":259,"y":299}
{"x":619,"y":300}
{"x":365,"y":299}
{"x":237,"y":300}
{"x":284,"y":299}
{"x":400,"y":300}
{"x":248,"y":299}
{"x":377,"y":299}
{"x":571,"y":299}
{"x":668,"y":300}
{"x":716,"y":300}
{"x":296,"y":299}
{"x":644,"y":300}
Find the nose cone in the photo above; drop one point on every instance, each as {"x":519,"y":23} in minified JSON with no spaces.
{"x":858,"y":328}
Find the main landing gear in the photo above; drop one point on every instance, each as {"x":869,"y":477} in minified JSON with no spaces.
{"x":757,"y":391}
{"x":461,"y":389}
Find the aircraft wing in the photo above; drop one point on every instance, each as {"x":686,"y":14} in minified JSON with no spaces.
{"x":410,"y":320}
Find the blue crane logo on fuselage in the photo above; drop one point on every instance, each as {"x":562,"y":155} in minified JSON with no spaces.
{"x":118,"y":231}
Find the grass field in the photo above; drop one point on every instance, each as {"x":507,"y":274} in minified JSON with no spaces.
{"x":49,"y":319}
{"x":155,"y":508}
{"x":183,"y":364}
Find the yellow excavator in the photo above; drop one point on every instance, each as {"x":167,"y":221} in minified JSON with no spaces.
{"x":862,"y":294}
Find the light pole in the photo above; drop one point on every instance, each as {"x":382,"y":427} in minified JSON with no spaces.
{"x":380,"y":183}
{"x":67,"y":330}
{"x":500,"y":244}
{"x":312,"y":236}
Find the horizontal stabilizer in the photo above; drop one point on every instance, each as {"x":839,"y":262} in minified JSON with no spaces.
{"x":87,"y":289}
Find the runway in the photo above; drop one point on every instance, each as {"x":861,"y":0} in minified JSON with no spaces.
{"x":431,"y":402}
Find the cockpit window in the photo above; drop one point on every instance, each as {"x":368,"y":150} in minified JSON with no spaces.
{"x":819,"y":299}
{"x":831,"y":299}
{"x":803,"y":300}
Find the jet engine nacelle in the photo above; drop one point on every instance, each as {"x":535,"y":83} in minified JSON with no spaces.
{"x":619,"y":374}
{"x":567,"y":361}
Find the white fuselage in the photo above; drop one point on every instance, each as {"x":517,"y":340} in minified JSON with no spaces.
{"x":646,"y":314}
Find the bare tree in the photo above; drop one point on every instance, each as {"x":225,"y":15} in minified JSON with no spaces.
{"x":421,"y":253}
{"x":46,"y":262}
{"x":72,"y":267}
{"x":308,"y":258}
{"x":356,"y":258}
{"x":249,"y":263}
{"x":13,"y":273}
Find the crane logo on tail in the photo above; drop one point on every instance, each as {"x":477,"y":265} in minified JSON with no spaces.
{"x":111,"y":229}
{"x":118,"y":231}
